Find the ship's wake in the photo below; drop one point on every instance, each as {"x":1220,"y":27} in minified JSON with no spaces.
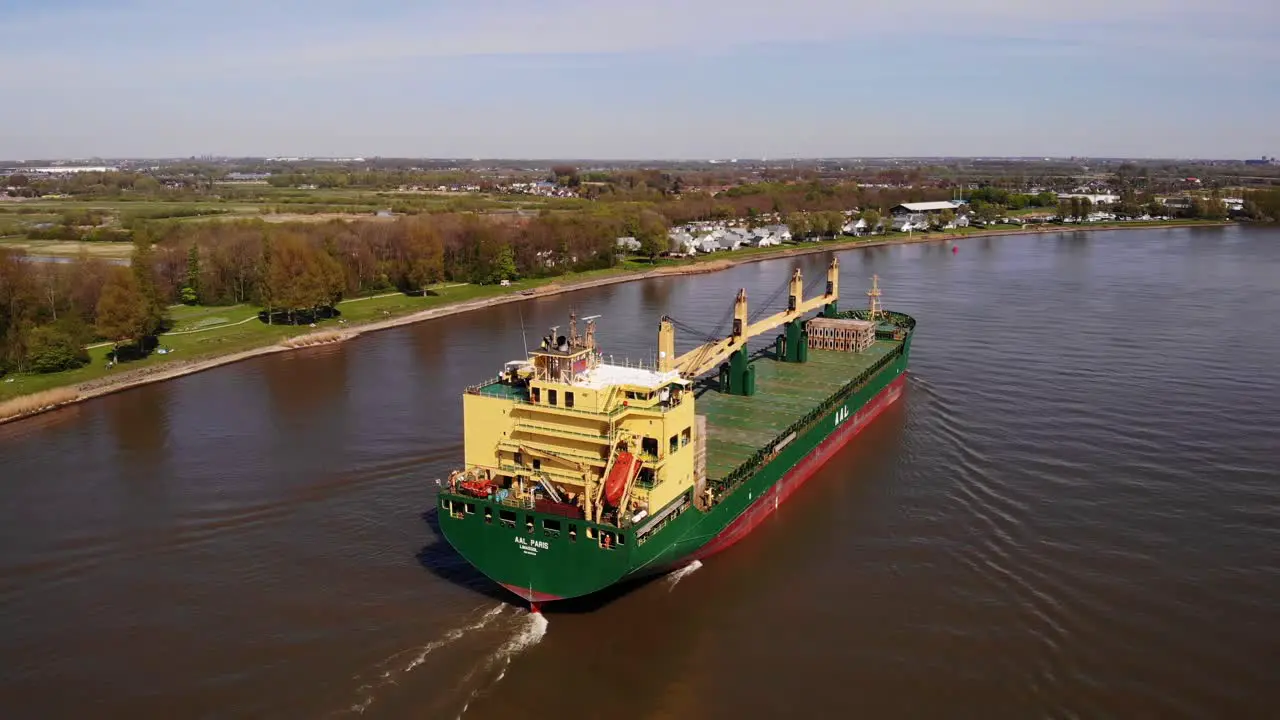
{"x":490,"y":671}
{"x":391,"y":670}
{"x":388,"y":682}
{"x":676,"y":576}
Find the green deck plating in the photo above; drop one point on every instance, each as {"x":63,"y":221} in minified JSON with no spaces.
{"x":738,"y":426}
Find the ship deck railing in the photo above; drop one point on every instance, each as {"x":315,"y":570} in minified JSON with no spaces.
{"x":722,"y":486}
{"x":526,"y":426}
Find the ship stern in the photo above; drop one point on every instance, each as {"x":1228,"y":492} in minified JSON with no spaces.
{"x":540,"y":557}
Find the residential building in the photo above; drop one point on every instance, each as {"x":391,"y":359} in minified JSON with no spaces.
{"x":708,"y":243}
{"x":934,"y":206}
{"x":909,"y":222}
{"x":856,"y":227}
{"x":681,"y":243}
{"x":733,"y":239}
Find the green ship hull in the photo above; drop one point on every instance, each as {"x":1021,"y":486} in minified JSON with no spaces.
{"x":760,"y":449}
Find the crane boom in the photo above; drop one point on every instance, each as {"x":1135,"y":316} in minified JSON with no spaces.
{"x":707,"y":356}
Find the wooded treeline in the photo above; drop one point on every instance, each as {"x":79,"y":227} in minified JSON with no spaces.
{"x":48,"y":311}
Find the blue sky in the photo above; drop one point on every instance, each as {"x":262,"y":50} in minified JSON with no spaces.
{"x":654,"y":79}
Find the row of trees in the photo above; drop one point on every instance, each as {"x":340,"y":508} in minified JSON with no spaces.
{"x":48,"y":311}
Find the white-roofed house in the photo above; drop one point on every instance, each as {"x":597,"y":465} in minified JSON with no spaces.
{"x":781,"y":232}
{"x":933,"y":206}
{"x":763,"y":237}
{"x":855,"y":227}
{"x":732,"y":240}
{"x":707,"y":243}
{"x":909,"y":222}
{"x":681,"y":243}
{"x":923,"y":214}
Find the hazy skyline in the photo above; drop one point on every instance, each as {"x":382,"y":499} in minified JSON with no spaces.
{"x":664,"y":79}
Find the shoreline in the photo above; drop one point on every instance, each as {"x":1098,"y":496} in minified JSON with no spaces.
{"x":180,"y":368}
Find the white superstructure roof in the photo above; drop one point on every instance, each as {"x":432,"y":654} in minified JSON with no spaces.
{"x":602,"y":376}
{"x":931,"y":206}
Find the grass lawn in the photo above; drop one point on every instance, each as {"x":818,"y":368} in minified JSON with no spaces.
{"x":201,"y":332}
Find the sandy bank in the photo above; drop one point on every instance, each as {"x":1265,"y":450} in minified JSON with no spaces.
{"x":179,"y":368}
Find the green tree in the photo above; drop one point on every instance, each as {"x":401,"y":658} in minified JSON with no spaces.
{"x":143,"y":265}
{"x":1216,"y":209}
{"x":945,"y":218}
{"x":753,"y":218}
{"x":799,"y":225}
{"x":123,"y":311}
{"x":266,"y":290}
{"x":300,"y":277}
{"x":504,"y":264}
{"x":424,"y":261}
{"x":873,"y":219}
{"x":1198,"y":209}
{"x":56,"y":347}
{"x":831,"y":221}
{"x":191,"y":290}
{"x":651,"y":233}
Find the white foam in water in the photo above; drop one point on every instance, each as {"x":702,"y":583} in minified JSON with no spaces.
{"x":532,"y":629}
{"x":390,"y":675}
{"x":453,"y":635}
{"x":675,"y":577}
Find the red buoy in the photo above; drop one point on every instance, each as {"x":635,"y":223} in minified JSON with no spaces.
{"x":954,"y":249}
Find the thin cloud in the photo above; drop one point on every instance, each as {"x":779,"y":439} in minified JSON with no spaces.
{"x":190,"y":76}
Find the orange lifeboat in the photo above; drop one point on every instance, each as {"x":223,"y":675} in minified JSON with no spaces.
{"x":625,"y":467}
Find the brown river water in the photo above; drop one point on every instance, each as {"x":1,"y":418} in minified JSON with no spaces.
{"x":1073,"y":512}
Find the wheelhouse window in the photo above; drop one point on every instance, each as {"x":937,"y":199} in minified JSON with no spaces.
{"x":551,"y":397}
{"x":568,"y":399}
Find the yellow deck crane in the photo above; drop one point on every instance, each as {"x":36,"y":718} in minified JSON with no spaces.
{"x":737,"y":376}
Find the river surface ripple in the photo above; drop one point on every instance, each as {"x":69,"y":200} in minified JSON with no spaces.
{"x":1074,"y":512}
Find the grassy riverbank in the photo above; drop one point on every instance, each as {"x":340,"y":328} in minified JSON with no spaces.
{"x":205,"y":337}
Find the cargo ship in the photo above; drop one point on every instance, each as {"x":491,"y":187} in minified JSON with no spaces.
{"x":580,"y":474}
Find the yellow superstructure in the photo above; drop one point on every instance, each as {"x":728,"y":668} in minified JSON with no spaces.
{"x":561,"y":420}
{"x":611,"y":442}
